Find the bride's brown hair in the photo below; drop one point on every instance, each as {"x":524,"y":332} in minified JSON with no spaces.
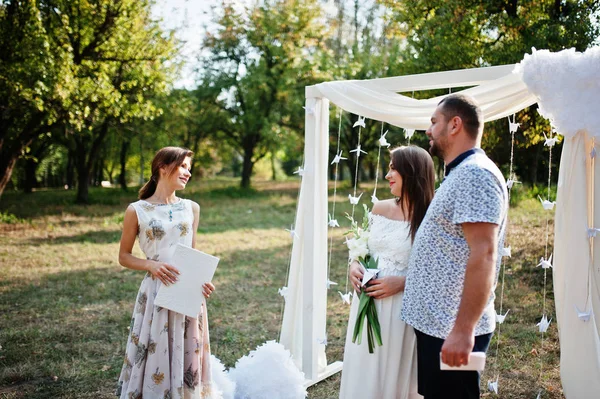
{"x":415,"y":166}
{"x":169,"y":157}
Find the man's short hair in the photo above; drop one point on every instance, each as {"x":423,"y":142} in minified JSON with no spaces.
{"x":467,"y":109}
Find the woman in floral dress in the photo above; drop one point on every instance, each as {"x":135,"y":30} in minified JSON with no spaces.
{"x":168,"y":353}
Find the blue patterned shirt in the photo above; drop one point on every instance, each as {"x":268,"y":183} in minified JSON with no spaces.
{"x":474,"y":191}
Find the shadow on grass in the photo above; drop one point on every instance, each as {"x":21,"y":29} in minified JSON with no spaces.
{"x":73,"y":324}
{"x":90,"y":237}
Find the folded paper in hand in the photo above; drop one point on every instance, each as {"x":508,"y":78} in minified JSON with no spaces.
{"x":185,"y":296}
{"x":476,"y":363}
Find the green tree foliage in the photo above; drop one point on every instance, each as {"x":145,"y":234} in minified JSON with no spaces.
{"x":32,"y":86}
{"x":88,"y":65}
{"x":260,"y":60}
{"x":364,"y":45}
{"x":455,"y":34}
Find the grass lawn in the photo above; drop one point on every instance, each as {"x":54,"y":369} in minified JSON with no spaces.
{"x":66,"y":303}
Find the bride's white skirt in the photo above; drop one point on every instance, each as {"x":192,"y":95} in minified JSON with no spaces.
{"x":390,"y":372}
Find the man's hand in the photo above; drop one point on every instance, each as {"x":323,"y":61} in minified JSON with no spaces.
{"x":457,"y":348}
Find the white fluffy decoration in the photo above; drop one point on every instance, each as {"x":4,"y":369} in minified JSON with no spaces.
{"x":268,"y":373}
{"x":567,"y":85}
{"x":223,"y":385}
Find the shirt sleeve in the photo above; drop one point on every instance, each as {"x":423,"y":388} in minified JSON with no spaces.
{"x":480,"y":197}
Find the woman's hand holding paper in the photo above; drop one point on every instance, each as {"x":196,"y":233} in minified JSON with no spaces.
{"x":166,"y":273}
{"x":208,"y":289}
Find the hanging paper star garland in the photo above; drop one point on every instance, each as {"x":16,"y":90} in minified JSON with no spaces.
{"x":500,"y":318}
{"x":329,"y":283}
{"x":545,"y":263}
{"x":358,"y":150}
{"x":338,"y":158}
{"x":360,"y":122}
{"x":354,"y":200}
{"x":382,"y":140}
{"x":300,"y":171}
{"x":346,"y":297}
{"x":548,"y":205}
{"x":550,"y":142}
{"x":544,"y":324}
{"x":583,"y":316}
{"x":292,"y":232}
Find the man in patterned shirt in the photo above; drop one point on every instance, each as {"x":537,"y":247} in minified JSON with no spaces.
{"x":453,"y":269}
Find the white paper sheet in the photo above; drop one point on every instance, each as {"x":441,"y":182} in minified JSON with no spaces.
{"x":185,"y":296}
{"x":476,"y":363}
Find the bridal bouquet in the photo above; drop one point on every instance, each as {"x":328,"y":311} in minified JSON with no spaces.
{"x":358,"y":249}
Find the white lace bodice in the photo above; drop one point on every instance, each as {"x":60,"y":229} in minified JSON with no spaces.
{"x":390,"y":242}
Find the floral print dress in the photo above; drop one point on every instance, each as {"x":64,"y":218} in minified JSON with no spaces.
{"x":168,"y":354}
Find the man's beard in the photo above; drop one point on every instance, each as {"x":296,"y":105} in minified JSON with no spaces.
{"x":436,"y":151}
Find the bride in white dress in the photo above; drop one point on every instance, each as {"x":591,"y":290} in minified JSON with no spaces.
{"x":390,"y":372}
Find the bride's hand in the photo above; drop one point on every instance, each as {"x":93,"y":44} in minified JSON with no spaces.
{"x":166,"y":273}
{"x":207,"y":289}
{"x":387,"y":286}
{"x":356,"y":275}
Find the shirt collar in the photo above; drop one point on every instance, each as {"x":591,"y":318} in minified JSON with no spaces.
{"x":457,"y":161}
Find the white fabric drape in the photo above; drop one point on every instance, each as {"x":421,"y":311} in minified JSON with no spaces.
{"x":567,"y":86}
{"x":304,"y":319}
{"x":497,"y":98}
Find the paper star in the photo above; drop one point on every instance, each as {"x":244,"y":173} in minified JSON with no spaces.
{"x":511,"y":182}
{"x":493,"y":386}
{"x":550,"y":142}
{"x":382,"y":141}
{"x":544,"y":324}
{"x":583,"y":316}
{"x":592,"y":231}
{"x":309,"y":110}
{"x":329,"y":283}
{"x":333,"y":222}
{"x":545,"y":264}
{"x":292,"y":232}
{"x":322,"y":341}
{"x":368,"y":276}
{"x":506,"y":252}
{"x":283,"y":291}
{"x":357,"y":150}
{"x":512,"y":126}
{"x":360,"y":122}
{"x":500,"y":318}
{"x":300,"y":171}
{"x":548,"y":205}
{"x":593,"y":153}
{"x":408,"y":133}
{"x":338,"y":158}
{"x":346,"y":297}
{"x":354,"y":200}
{"x":374,"y":199}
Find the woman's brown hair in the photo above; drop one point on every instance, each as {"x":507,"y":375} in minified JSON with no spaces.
{"x":169,"y":157}
{"x":415,"y":166}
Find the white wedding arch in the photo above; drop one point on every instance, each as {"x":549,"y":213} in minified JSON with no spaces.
{"x":566,"y":86}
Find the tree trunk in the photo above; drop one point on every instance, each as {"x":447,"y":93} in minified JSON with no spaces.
{"x":247,"y":167}
{"x":7,"y":164}
{"x":83,"y":174}
{"x":123,"y":161}
{"x":273,"y":171}
{"x":71,"y":169}
{"x":30,"y":179}
{"x":86,"y":159}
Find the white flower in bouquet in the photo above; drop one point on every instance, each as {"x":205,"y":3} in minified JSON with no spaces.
{"x":357,"y":247}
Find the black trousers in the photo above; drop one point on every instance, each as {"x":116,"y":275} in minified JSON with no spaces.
{"x":437,"y":384}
